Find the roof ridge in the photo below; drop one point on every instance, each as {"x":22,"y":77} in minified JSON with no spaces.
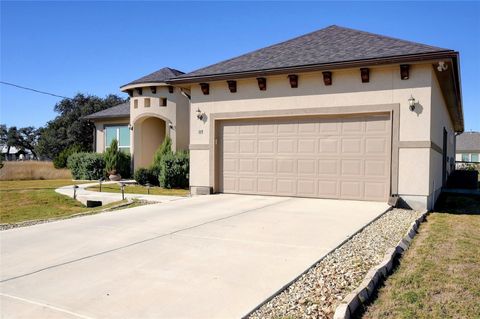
{"x":390,"y":37}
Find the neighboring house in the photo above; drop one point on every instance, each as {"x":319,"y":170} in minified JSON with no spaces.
{"x":337,"y":113}
{"x":468,"y":147}
{"x":15,"y":154}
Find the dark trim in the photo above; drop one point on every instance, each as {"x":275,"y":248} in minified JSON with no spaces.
{"x":316,"y":67}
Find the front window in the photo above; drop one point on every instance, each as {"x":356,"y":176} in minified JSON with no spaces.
{"x":121,"y":133}
{"x":465,"y":157}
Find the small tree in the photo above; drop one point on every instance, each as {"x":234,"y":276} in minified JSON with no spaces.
{"x":112,"y":158}
{"x":164,"y":149}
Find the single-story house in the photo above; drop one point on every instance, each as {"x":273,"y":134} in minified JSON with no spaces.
{"x":336,"y":113}
{"x":468,"y":147}
{"x":16,"y":154}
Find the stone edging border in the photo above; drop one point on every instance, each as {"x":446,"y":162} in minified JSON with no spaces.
{"x":377,"y":274}
{"x":284,"y":287}
{"x":4,"y":227}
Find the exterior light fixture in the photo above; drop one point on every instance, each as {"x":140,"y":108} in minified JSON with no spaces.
{"x":327,"y":78}
{"x":365,"y":74}
{"x":293,"y":78}
{"x":100,"y":183}
{"x":75,"y":191}
{"x":122,"y":186}
{"x":411,"y":103}
{"x":262,"y":84}
{"x":205,"y":88}
{"x":148,"y":188}
{"x":130,"y":127}
{"x":404,"y":71}
{"x":442,"y":66}
{"x":200,"y":114}
{"x":232,"y":86}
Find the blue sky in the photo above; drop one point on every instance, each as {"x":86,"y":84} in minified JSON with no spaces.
{"x":94,"y":47}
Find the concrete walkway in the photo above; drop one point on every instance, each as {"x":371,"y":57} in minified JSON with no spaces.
{"x":214,"y":256}
{"x":83,"y":194}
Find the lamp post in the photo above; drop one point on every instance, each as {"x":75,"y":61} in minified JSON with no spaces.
{"x":100,"y":183}
{"x":148,"y":188}
{"x":75,"y":191}
{"x":122,"y":186}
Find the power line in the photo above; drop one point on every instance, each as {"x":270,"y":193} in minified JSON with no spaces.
{"x":34,"y":90}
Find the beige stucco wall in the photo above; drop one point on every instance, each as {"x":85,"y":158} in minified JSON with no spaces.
{"x":385,"y":87}
{"x":175,"y":113}
{"x":100,"y":132}
{"x":440,"y":120}
{"x":149,"y":133}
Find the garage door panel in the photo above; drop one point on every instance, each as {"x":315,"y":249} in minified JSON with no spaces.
{"x":328,"y":167}
{"x":286,"y":146}
{"x":345,"y":158}
{"x":352,"y":146}
{"x":328,"y":146}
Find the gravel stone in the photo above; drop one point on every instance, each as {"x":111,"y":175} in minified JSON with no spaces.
{"x":318,"y":292}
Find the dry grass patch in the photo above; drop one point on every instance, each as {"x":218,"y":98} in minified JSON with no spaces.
{"x":439,"y":275}
{"x":32,"y":170}
{"x":32,"y":200}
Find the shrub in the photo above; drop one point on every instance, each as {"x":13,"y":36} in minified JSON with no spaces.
{"x":112,"y":158}
{"x":145,"y":175}
{"x":174,"y":170}
{"x":124,"y":164}
{"x":61,"y":160}
{"x":89,"y":166}
{"x":164,"y":149}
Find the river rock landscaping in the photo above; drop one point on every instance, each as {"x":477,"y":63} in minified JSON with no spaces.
{"x":318,"y":292}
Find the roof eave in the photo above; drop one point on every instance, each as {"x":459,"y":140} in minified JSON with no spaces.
{"x":131,"y":86}
{"x":106,"y":117}
{"x":316,"y":67}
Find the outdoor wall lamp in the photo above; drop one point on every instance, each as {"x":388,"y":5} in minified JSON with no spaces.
{"x":200,"y":114}
{"x":130,"y":127}
{"x":411,"y":103}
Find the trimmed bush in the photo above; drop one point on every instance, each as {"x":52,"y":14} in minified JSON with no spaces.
{"x":174,"y":170}
{"x":112,"y":158}
{"x":164,"y":149}
{"x":144,"y":176}
{"x":89,"y":166}
{"x":124,"y":164}
{"x":61,"y":160}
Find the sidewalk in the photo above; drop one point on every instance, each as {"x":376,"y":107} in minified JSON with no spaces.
{"x":83,"y":195}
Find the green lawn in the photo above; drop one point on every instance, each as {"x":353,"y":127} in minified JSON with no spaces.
{"x":439,"y":276}
{"x":36,"y":199}
{"x":138,"y":189}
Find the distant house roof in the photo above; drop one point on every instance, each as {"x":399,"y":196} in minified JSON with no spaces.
{"x":13,"y":150}
{"x":468,"y":141}
{"x":118,"y":111}
{"x":330,"y":45}
{"x":160,"y":76}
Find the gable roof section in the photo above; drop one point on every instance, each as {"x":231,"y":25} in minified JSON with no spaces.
{"x":159,"y":76}
{"x":118,"y":111}
{"x":468,"y":141}
{"x":331,"y":45}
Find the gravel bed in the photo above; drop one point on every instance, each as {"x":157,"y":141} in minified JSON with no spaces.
{"x":317,"y":293}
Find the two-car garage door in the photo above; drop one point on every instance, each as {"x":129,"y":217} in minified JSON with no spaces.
{"x":324,"y":157}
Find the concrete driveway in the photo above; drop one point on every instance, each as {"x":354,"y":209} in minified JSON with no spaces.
{"x":213,"y":256}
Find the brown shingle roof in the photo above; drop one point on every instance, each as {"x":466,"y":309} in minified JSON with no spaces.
{"x":118,"y":111}
{"x":161,"y":76}
{"x":468,"y":141}
{"x":328,"y":45}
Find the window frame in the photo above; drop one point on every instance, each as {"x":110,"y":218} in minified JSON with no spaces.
{"x":117,"y":128}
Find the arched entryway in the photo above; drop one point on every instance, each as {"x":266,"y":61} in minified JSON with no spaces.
{"x":149,"y":134}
